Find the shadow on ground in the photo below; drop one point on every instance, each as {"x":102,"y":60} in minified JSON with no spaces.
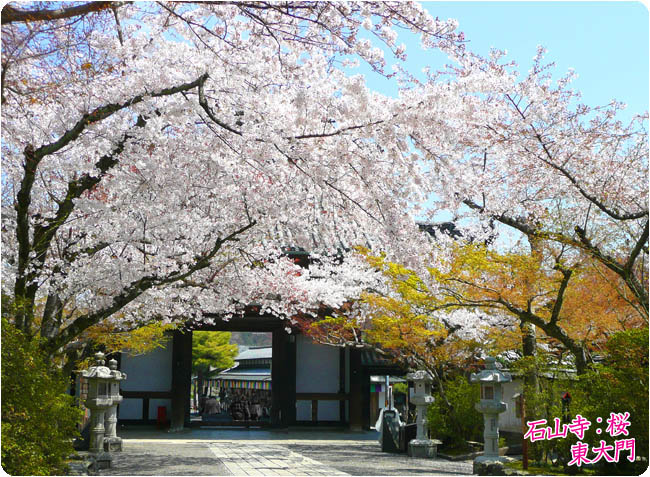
{"x":368,"y":459}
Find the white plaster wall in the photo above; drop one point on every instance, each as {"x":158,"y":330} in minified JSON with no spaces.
{"x":303,"y":410}
{"x":148,"y":372}
{"x":317,"y":367}
{"x":507,"y":419}
{"x":381,"y":400}
{"x":328,"y":411}
{"x":317,"y":371}
{"x":130,"y":409}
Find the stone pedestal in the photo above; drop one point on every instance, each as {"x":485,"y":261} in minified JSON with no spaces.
{"x":491,"y":411}
{"x":491,"y":406}
{"x":96,"y":430}
{"x":424,"y":448}
{"x":102,"y":400}
{"x":113,"y":443}
{"x":421,"y":446}
{"x":103,"y":460}
{"x":494,"y":466}
{"x":98,"y":402}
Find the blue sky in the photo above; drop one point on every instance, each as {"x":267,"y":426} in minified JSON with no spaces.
{"x":606,"y":43}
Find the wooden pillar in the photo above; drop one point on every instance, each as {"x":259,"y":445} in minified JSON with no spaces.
{"x":181,"y":379}
{"x":365,"y":400}
{"x":290,"y":396}
{"x":356,"y":409}
{"x":342,"y":385}
{"x":145,"y":410}
{"x":314,"y":410}
{"x":283,"y":379}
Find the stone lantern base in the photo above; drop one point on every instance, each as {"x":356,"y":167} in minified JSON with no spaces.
{"x":490,"y":464}
{"x":424,"y":448}
{"x":102,"y":460}
{"x":113,"y":444}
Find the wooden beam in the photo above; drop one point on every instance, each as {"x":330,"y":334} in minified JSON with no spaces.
{"x":146,"y":394}
{"x":322,"y":396}
{"x":250,"y":323}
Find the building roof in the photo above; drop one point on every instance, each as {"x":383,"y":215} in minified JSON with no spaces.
{"x":251,"y":374}
{"x":382,"y":379}
{"x":265,"y":352}
{"x":380,"y":365}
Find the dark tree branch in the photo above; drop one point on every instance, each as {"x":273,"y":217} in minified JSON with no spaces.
{"x":550,"y":161}
{"x":557,"y":306}
{"x":26,"y":286}
{"x":637,"y":249}
{"x":583,"y":242}
{"x":117,"y":23}
{"x":137,"y":288}
{"x":204,"y":104}
{"x":103,"y":112}
{"x":627,"y":275}
{"x":13,"y":15}
{"x":553,"y":330}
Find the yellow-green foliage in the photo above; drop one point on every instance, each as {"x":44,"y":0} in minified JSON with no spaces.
{"x":212,"y":348}
{"x":464,"y":422}
{"x":39,"y":420}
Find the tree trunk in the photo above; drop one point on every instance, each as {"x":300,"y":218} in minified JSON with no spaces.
{"x":529,"y":349}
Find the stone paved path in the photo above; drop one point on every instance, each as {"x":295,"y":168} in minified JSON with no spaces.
{"x":223,"y":452}
{"x":264,"y":459}
{"x":165,"y":458}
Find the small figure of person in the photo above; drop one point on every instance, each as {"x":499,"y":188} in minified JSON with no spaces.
{"x":237,"y":409}
{"x":202,"y":400}
{"x":211,"y":406}
{"x":256,"y":411}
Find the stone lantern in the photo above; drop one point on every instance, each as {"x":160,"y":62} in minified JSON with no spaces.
{"x":422,"y":446}
{"x":98,"y":401}
{"x":111,"y":441}
{"x":491,"y":405}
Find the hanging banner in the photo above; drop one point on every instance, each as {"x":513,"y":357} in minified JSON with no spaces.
{"x":229,"y":383}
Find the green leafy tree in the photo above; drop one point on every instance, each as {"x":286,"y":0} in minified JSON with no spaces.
{"x":211,"y":350}
{"x":462,"y":423}
{"x":39,"y":420}
{"x":618,"y":386}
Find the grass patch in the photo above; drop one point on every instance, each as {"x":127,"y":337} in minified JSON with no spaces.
{"x":456,"y":451}
{"x":549,"y":469}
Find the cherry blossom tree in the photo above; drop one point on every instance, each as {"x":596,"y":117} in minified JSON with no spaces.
{"x":156,"y":154}
{"x":523,"y":157}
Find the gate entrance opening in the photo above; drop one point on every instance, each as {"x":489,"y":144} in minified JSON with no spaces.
{"x":227,"y":393}
{"x":299,"y":383}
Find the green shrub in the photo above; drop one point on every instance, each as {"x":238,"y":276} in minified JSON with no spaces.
{"x":462,"y":422}
{"x":543,"y":399}
{"x":39,"y":420}
{"x":619,"y":385}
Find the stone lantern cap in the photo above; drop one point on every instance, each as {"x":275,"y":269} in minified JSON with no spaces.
{"x":115,"y":373}
{"x":99,"y":370}
{"x":420,"y":375}
{"x":490,"y":374}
